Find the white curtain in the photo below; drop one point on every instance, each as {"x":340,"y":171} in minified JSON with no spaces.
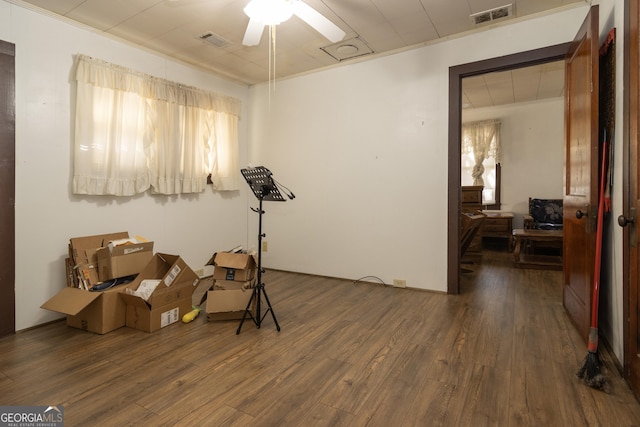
{"x":177,"y":148}
{"x":482,"y":139}
{"x":223,"y":157}
{"x":135,"y":132}
{"x":109,"y":152}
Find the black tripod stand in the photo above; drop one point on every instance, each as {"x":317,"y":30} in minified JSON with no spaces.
{"x":264,"y":188}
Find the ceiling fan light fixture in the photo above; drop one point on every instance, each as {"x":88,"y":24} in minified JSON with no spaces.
{"x":269,"y":12}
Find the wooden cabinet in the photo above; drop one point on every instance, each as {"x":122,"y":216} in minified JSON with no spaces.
{"x":498,"y":224}
{"x":471,"y":197}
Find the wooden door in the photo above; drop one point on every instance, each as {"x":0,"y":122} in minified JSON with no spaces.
{"x":631,"y":197}
{"x":7,"y":188}
{"x":581,"y":172}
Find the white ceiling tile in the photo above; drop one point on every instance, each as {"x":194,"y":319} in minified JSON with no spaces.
{"x":527,"y":7}
{"x":552,"y":82}
{"x":61,"y":7}
{"x":449,"y":17}
{"x":104,"y":15}
{"x":395,"y":10}
{"x":526,"y":86}
{"x":419,"y":25}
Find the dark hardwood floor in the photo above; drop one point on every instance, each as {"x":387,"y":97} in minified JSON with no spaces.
{"x":503,"y":353}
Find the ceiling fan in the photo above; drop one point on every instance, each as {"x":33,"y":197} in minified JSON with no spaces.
{"x":263,"y":13}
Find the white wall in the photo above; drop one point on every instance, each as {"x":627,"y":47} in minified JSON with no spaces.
{"x":532,"y":147}
{"x":364,"y":147}
{"x":47,"y":214}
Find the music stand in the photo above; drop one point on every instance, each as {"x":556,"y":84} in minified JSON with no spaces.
{"x":264,"y":188}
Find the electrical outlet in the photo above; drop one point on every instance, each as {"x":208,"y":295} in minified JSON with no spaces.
{"x":265,"y":247}
{"x":399,"y":283}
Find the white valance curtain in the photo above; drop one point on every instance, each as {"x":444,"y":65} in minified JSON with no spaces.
{"x":135,"y":132}
{"x":482,"y":139}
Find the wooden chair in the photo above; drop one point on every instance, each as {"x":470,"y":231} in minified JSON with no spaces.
{"x":470,"y":225}
{"x":544,"y":214}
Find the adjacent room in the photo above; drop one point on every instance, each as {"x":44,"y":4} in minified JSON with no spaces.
{"x":216,"y":217}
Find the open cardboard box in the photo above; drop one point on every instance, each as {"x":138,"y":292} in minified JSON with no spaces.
{"x":233,"y":274}
{"x":200,"y":292}
{"x":169,"y":301}
{"x":104,"y":311}
{"x":97,"y":312}
{"x":228,"y":304}
{"x":234,"y":266}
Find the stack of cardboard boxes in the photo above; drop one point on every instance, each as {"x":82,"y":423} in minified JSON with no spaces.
{"x":114,"y":280}
{"x":96,"y":259}
{"x":100,"y":260}
{"x":233,"y":280}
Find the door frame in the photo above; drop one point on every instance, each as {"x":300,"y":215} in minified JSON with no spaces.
{"x":630,"y":177}
{"x":456,"y":74}
{"x":7,"y":189}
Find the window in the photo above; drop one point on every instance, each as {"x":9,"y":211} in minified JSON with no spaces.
{"x":489,"y":177}
{"x":481,"y":158}
{"x":135,"y":132}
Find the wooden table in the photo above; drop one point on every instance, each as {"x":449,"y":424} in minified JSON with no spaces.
{"x":536,"y":261}
{"x":498,"y":224}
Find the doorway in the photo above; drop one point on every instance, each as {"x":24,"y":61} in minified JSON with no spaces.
{"x":526,"y":155}
{"x":456,"y":75}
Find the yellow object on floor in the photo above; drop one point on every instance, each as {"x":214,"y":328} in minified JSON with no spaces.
{"x":190,"y":315}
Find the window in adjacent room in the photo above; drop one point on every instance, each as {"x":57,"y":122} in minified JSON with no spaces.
{"x":481,"y":158}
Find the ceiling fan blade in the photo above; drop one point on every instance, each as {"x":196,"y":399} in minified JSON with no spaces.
{"x":254,"y":33}
{"x":317,"y":21}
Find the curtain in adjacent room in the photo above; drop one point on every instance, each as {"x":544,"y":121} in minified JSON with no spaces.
{"x":135,"y":132}
{"x":482,"y":139}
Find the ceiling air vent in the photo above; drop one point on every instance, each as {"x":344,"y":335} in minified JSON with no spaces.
{"x":215,"y":39}
{"x":348,"y":49}
{"x":492,"y":14}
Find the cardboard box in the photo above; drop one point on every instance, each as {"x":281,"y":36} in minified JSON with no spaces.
{"x":233,"y":266}
{"x":123,"y":260}
{"x":227,"y":285}
{"x":200,"y":293}
{"x":169,"y":301}
{"x":83,"y":249}
{"x":97,"y":312}
{"x":84,"y":260}
{"x":144,"y":318}
{"x":228,"y":304}
{"x":68,"y":267}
